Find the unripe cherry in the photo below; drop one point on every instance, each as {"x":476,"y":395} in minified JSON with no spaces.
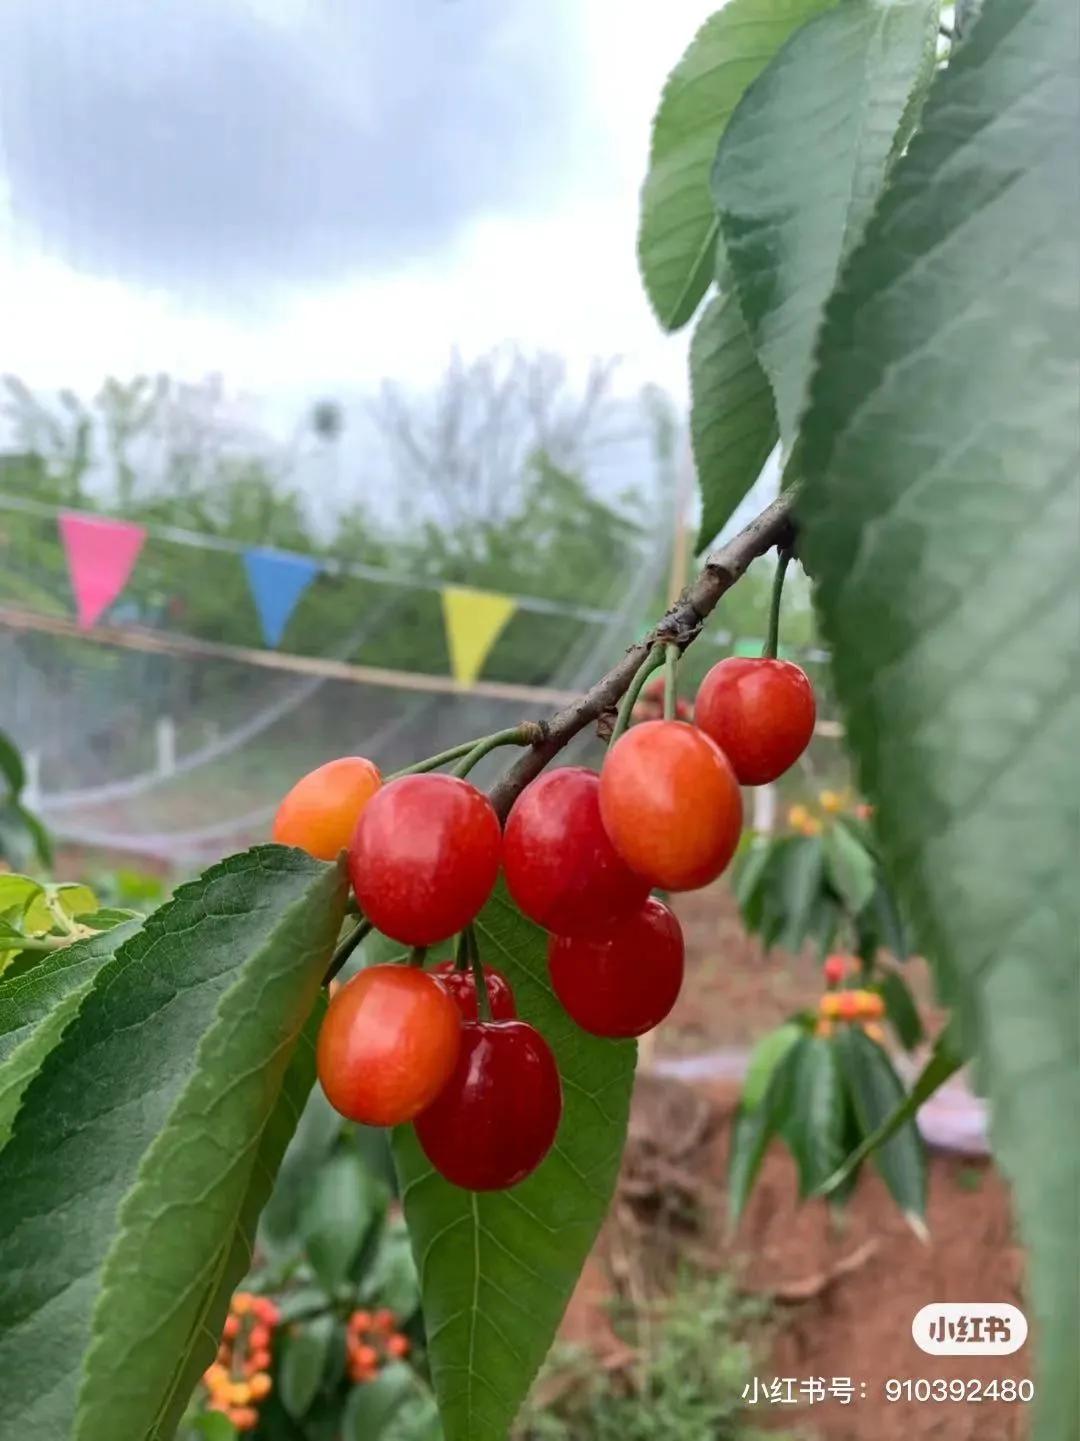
{"x":320,"y":813}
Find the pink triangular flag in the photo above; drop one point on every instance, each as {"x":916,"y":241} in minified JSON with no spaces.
{"x":100,"y":556}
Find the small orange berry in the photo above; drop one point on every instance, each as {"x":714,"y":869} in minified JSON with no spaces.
{"x":239,"y":1393}
{"x":831,"y":801}
{"x":267,"y":1311}
{"x":215,"y":1376}
{"x":398,"y":1345}
{"x":824,"y":1028}
{"x":383,"y":1320}
{"x":244,"y":1418}
{"x":260,"y":1361}
{"x":231,"y":1329}
{"x":260,"y":1385}
{"x":848,"y":1007}
{"x":259,"y":1340}
{"x":241,"y":1303}
{"x":874,"y":1032}
{"x":366,"y":1356}
{"x":360,"y":1321}
{"x":829,"y":1004}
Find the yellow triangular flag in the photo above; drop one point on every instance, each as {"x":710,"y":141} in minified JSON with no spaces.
{"x":474,"y":621}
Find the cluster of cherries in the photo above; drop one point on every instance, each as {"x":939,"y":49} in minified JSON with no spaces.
{"x":240,"y":1376}
{"x":580,"y":854}
{"x":866,"y":1008}
{"x":371,"y":1339}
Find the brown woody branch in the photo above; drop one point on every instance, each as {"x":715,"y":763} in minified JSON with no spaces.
{"x":682,"y":624}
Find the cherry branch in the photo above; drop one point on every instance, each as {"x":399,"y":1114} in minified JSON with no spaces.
{"x":681,"y":625}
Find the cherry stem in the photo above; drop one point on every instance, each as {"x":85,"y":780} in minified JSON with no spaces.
{"x":652,"y":662}
{"x":417,"y":956}
{"x":433,"y":762}
{"x":461,"y":952}
{"x":671,"y":681}
{"x":344,"y":949}
{"x":483,"y":1000}
{"x":520,"y":735}
{"x":38,"y":943}
{"x":769,"y":653}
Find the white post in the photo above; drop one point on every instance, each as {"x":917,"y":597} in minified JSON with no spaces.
{"x":165,"y":737}
{"x":32,"y":789}
{"x":764,"y":809}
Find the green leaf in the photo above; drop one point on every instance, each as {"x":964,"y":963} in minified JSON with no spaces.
{"x":392,"y":1279}
{"x":214,"y":1426}
{"x":36,"y":1006}
{"x":131,"y":1183}
{"x":339,"y":1207}
{"x":105,"y":918}
{"x":944,"y":1062}
{"x":371,"y":1407}
{"x":754,"y":1128}
{"x":316,"y":1135}
{"x":939,"y":517}
{"x":850,"y":867}
{"x":678,"y":230}
{"x":303,"y":1364}
{"x":497,"y":1269}
{"x":764,"y":1059}
{"x":732,"y":416}
{"x":901,"y":1009}
{"x":18,"y":893}
{"x":11,"y":765}
{"x":800,"y":882}
{"x":816,"y":1129}
{"x":417,"y":1420}
{"x":876,"y":1092}
{"x":800,"y":167}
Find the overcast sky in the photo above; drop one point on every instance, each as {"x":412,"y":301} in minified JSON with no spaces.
{"x":309,"y":195}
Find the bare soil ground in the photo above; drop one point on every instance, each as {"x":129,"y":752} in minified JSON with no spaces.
{"x":845,"y":1291}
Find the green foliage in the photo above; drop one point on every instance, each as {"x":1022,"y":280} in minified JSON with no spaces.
{"x":732,"y":415}
{"x":497,"y":1269}
{"x":940,"y":521}
{"x":677,"y":240}
{"x":23,"y":838}
{"x":836,"y":92}
{"x":164,"y":1098}
{"x":696,"y":1353}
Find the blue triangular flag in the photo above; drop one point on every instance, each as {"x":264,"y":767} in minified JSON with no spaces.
{"x":277,"y":581}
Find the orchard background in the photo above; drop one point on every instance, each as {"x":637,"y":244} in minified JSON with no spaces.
{"x":865,"y":217}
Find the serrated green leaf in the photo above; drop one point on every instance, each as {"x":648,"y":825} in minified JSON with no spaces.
{"x":136,"y":1150}
{"x":764,"y":1059}
{"x":105,"y":918}
{"x":755,"y":1127}
{"x":801,"y":883}
{"x":339,"y":1206}
{"x":17,"y":893}
{"x":678,"y":229}
{"x":305,"y":1356}
{"x":276,"y":1135}
{"x":799,"y":168}
{"x":876,"y":1092}
{"x":944,"y":1062}
{"x":36,"y":1006}
{"x":816,"y":1130}
{"x":850,"y":868}
{"x":732,"y":416}
{"x":901,"y":1009}
{"x":497,"y":1269}
{"x":940,"y":519}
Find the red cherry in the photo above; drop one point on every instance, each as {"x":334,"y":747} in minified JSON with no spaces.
{"x":625,"y":984}
{"x":496,"y":1118}
{"x":671,"y":804}
{"x":460,"y":986}
{"x":560,"y":866}
{"x":835,"y":969}
{"x":387,"y":1045}
{"x":760,"y":712}
{"x":424,"y":857}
